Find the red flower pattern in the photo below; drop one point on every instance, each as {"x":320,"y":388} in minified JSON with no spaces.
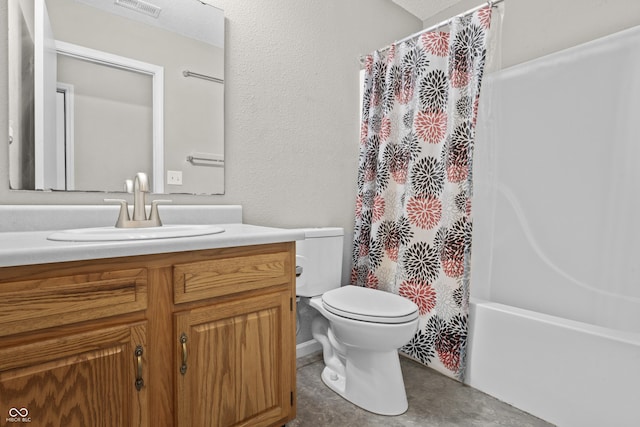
{"x":372,"y":281}
{"x":392,"y":253}
{"x":359,"y":206}
{"x":431,"y":126}
{"x":421,"y":293}
{"x":399,"y":175}
{"x":378,"y":208}
{"x":450,"y":359}
{"x":424,"y":212}
{"x":364,"y":129}
{"x":385,"y":129}
{"x":484,"y":15}
{"x":368,"y":64}
{"x":363,"y":250}
{"x":436,"y":42}
{"x":457,"y":173}
{"x":453,"y":267}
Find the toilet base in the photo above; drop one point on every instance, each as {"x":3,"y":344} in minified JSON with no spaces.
{"x":334,"y":381}
{"x":373,"y":381}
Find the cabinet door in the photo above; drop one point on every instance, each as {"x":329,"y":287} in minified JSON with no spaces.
{"x":84,"y":379}
{"x":237,"y":363}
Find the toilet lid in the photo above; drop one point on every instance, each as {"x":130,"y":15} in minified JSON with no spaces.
{"x":369,"y":305}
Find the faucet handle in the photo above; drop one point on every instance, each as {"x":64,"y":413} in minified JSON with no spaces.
{"x":128,"y":185}
{"x":123,"y":216}
{"x":154,"y":216}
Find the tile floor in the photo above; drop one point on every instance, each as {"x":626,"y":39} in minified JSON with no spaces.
{"x":434,"y":401}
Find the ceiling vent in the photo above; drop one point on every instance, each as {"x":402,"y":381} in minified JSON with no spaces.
{"x":140,"y":6}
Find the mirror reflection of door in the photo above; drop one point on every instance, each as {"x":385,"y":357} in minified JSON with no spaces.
{"x":111,"y":123}
{"x":65,"y":108}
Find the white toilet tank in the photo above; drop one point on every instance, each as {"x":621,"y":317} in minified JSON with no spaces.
{"x":319,"y":261}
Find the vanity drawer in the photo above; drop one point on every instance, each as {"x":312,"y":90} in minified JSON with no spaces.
{"x":53,"y":301}
{"x":229,"y":275}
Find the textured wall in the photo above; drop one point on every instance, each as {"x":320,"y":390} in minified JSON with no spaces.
{"x":533,"y":28}
{"x":291,"y":126}
{"x":291,"y":105}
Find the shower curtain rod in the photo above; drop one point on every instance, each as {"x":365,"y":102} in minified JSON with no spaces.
{"x":436,"y":26}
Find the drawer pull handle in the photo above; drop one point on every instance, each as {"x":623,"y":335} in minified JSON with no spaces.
{"x":183,"y":341}
{"x":139,"y":381}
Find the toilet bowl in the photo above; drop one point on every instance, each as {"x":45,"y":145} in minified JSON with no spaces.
{"x":362,"y":363}
{"x":360,"y":329}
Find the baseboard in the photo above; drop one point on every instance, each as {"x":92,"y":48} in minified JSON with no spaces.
{"x":308,"y":347}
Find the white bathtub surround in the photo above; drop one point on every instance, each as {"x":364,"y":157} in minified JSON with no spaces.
{"x":556,"y":323}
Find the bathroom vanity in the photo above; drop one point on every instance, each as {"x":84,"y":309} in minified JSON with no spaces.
{"x":187,"y":332}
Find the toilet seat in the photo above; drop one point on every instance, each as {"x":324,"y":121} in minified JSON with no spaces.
{"x":369,"y":305}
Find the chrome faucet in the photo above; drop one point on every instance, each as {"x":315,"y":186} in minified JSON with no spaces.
{"x":139,"y":186}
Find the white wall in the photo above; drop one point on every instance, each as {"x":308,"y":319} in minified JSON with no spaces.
{"x":533,"y":28}
{"x":291,"y":106}
{"x":291,"y":94}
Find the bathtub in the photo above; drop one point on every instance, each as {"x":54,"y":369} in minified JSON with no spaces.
{"x":555,"y":269}
{"x":548,"y":332}
{"x":566,"y":372}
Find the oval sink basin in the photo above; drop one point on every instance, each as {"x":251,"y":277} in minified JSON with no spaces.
{"x":111,"y":234}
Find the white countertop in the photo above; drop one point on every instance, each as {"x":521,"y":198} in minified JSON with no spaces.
{"x":32,"y":247}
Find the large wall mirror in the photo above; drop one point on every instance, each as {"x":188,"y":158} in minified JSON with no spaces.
{"x":102,"y":89}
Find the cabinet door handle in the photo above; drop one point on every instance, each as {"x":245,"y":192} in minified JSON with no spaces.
{"x":183,"y":341}
{"x":138,"y":354}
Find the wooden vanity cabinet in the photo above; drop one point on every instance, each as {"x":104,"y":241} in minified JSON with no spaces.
{"x":201,"y":338}
{"x":237,"y":348}
{"x":237,"y":333}
{"x":81,"y":379}
{"x":68,"y":338}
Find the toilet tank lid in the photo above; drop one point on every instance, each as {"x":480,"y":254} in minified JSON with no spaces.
{"x":310,"y":233}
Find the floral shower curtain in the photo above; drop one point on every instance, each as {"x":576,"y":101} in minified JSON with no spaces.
{"x":412,"y":231}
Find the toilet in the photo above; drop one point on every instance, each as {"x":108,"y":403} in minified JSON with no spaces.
{"x":360,"y":329}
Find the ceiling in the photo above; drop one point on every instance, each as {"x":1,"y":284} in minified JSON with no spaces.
{"x":424,"y":9}
{"x":191,"y":18}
